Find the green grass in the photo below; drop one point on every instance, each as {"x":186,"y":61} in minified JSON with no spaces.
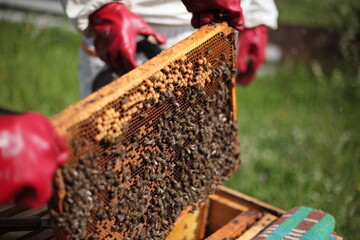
{"x":298,"y":126}
{"x":300,"y":143}
{"x":308,"y":12}
{"x":38,"y":68}
{"x":332,"y":14}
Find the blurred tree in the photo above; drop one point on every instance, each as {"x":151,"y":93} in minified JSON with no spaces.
{"x":348,"y":16}
{"x":349,"y":20}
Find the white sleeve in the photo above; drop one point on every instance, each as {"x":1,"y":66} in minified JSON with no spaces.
{"x":259,"y":12}
{"x":78,"y":11}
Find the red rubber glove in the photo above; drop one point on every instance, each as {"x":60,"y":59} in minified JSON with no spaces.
{"x":207,"y":11}
{"x":30,"y":152}
{"x":251,"y":53}
{"x":116,"y":29}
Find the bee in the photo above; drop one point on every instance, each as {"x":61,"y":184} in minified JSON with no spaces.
{"x":176,"y":104}
{"x":162,"y":146}
{"x":143,"y":115}
{"x":223,"y":56}
{"x":148,"y":141}
{"x":167,"y":115}
{"x":132,"y":166}
{"x":76,"y":146}
{"x":208,"y":50}
{"x":124,"y":101}
{"x":135,"y":137}
{"x":165,"y":222}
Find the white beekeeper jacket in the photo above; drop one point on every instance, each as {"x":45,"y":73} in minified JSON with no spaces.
{"x":168,"y":17}
{"x":167,"y":12}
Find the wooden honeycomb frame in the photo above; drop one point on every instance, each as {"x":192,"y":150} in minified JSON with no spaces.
{"x":110,"y":111}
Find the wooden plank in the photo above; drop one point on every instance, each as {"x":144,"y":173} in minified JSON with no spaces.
{"x":233,"y":100}
{"x":190,"y":225}
{"x":229,"y":203}
{"x":19,"y":214}
{"x":235,"y":116}
{"x":221,"y":211}
{"x":42,"y":211}
{"x":4,"y":207}
{"x":203,"y":220}
{"x":10,"y":210}
{"x":14,"y":235}
{"x":183,"y":215}
{"x":29,"y":235}
{"x":43,"y":235}
{"x":186,"y":228}
{"x":236,"y":226}
{"x":20,"y":223}
{"x":260,"y":225}
{"x":253,"y":203}
{"x":248,"y":201}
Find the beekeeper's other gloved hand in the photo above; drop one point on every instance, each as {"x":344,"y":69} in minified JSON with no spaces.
{"x":207,"y":11}
{"x":30,"y":152}
{"x":251,"y":53}
{"x":116,"y":29}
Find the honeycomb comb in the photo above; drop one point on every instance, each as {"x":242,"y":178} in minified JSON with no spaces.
{"x":150,"y":144}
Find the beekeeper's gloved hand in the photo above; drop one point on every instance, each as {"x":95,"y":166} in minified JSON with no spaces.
{"x":207,"y":11}
{"x":30,"y":152}
{"x":116,"y":29}
{"x":251,"y":53}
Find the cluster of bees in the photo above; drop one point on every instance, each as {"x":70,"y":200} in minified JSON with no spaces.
{"x":83,"y":184}
{"x":180,"y":142}
{"x":178,"y":74}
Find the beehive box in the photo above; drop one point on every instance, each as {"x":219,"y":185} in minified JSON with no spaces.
{"x":151,"y":144}
{"x":227,"y":214}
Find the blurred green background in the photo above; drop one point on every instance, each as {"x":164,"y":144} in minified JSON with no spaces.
{"x":298,"y":123}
